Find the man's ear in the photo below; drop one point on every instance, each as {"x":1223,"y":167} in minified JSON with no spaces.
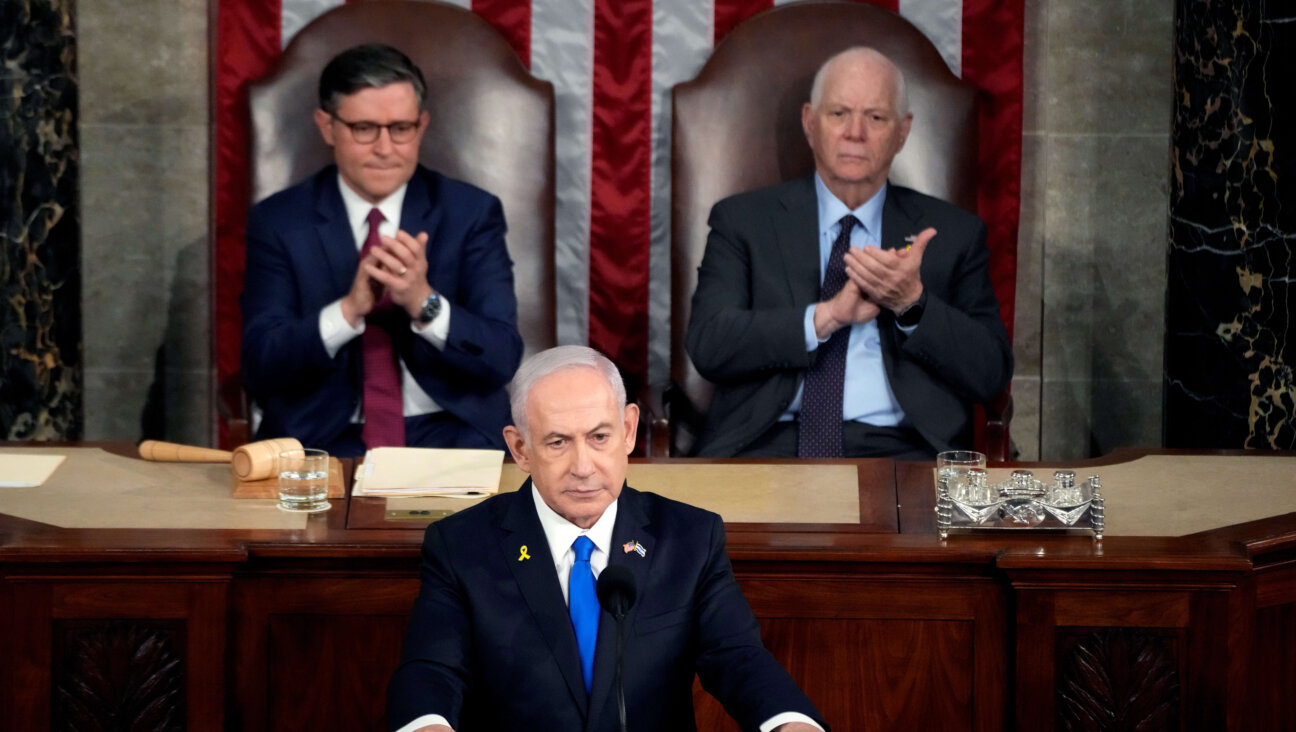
{"x":631,"y":426}
{"x":807,"y":119}
{"x":324,"y":121}
{"x":518,"y":447}
{"x":905,"y":125}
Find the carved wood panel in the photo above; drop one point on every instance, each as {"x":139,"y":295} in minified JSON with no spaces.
{"x":118,"y":675}
{"x":1125,"y":679}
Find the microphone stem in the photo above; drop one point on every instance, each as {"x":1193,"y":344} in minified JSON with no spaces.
{"x":620,"y":683}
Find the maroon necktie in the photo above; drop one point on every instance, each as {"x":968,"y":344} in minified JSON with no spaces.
{"x":819,"y":432}
{"x":384,"y":424}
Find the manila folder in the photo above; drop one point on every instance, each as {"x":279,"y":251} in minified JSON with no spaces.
{"x":429,"y":471}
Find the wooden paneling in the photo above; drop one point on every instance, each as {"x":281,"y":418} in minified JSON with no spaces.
{"x":113,"y":635}
{"x":308,"y":688}
{"x":872,"y":674}
{"x":1274,"y":689}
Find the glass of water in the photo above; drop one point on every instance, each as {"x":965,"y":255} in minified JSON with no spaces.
{"x":303,"y":480}
{"x":957,"y":463}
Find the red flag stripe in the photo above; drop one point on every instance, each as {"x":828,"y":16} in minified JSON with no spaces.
{"x":247,"y":41}
{"x":992,"y":60}
{"x":621,"y":183}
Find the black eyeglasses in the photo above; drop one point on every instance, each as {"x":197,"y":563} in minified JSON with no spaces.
{"x":366,"y":132}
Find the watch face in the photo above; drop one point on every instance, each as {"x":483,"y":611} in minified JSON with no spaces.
{"x":431,"y":307}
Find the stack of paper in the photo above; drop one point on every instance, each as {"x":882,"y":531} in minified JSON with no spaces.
{"x":427,"y":471}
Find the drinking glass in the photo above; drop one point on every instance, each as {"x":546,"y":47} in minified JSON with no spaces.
{"x":955,"y":464}
{"x":303,"y":480}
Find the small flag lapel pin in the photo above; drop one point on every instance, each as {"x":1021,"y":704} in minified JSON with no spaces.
{"x":633,"y":546}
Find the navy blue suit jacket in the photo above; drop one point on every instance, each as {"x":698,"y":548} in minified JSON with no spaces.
{"x":301,"y":256}
{"x":490,"y":644}
{"x":760,"y":271}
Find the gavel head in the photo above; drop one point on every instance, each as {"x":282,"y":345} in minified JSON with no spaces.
{"x":258,"y":460}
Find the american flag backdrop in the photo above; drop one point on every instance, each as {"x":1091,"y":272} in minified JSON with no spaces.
{"x":613,"y":63}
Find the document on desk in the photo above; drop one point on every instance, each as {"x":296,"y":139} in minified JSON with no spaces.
{"x":429,"y":471}
{"x":26,"y":471}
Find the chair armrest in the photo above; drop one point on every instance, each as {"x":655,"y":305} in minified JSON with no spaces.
{"x":654,"y":422}
{"x":998,"y":444}
{"x":235,"y":411}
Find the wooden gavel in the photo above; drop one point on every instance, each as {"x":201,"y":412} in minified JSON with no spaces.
{"x":253,"y":461}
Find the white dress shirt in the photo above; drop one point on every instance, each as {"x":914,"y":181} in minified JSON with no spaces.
{"x":336,"y":332}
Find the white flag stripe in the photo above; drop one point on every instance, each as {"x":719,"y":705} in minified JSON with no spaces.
{"x":295,"y":14}
{"x":562,"y":52}
{"x":942,"y":22}
{"x":682,"y":39}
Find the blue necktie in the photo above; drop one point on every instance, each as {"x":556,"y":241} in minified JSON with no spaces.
{"x":819,"y":432}
{"x":583,"y":605}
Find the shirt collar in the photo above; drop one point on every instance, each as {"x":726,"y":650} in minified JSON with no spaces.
{"x":831,"y":210}
{"x":357,"y":211}
{"x":560,"y":533}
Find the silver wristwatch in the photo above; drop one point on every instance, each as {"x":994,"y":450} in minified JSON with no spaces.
{"x":431,"y":306}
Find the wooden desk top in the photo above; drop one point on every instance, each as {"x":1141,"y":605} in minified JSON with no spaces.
{"x":893,"y":522}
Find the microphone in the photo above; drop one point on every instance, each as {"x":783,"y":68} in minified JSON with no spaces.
{"x":617,"y":594}
{"x":616,"y":590}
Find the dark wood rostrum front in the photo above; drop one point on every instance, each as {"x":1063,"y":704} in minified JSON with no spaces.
{"x":883,"y":624}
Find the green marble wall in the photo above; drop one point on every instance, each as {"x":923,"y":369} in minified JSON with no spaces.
{"x":40,"y":283}
{"x":1229,"y":379}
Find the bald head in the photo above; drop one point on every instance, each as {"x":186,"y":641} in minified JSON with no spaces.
{"x":869,"y":62}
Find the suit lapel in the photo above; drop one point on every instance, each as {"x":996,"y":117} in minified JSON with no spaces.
{"x":336,"y":239}
{"x":899,"y":219}
{"x":796,"y":233}
{"x":419,"y":214}
{"x":539,"y":586}
{"x":631,"y":529}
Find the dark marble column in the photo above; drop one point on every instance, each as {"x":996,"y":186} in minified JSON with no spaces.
{"x":1229,"y":380}
{"x":40,"y":280}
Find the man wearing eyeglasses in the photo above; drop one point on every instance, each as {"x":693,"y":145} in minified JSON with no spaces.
{"x":378,"y":304}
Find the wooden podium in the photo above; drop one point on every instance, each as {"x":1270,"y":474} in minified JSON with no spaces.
{"x":884,"y":625}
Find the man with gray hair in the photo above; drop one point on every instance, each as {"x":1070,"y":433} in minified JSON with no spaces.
{"x":840,"y":315}
{"x":378,"y":304}
{"x":507,"y":634}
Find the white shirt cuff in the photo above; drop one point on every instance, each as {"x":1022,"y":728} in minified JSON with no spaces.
{"x":335,"y":331}
{"x":427,"y":720}
{"x":774,"y":721}
{"x":438,"y":331}
{"x":811,"y":340}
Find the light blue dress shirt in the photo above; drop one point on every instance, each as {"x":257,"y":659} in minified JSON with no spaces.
{"x":866,"y":396}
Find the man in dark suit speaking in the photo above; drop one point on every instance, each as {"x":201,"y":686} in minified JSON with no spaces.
{"x":506,"y":633}
{"x":378,"y":305}
{"x":839,"y":315}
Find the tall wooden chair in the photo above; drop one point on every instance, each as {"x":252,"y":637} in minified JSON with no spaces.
{"x":492,"y":125}
{"x":737,"y":127}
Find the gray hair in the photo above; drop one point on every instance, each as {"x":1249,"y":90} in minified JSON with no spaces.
{"x":863,"y":52}
{"x":553,"y":360}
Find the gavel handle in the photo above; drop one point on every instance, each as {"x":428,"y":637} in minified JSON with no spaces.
{"x":173,"y":453}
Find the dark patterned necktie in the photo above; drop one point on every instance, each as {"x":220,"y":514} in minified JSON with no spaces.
{"x":819,"y":434}
{"x":384,"y":409}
